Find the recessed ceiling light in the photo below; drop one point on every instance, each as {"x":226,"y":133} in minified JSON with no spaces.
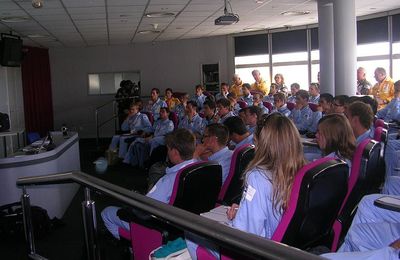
{"x":159,"y":14}
{"x":14,"y":19}
{"x":148,"y":31}
{"x":294,"y":13}
{"x":253,"y":28}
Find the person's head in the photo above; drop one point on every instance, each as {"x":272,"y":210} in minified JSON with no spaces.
{"x":215,"y":136}
{"x":242,"y":114}
{"x":360,"y":116}
{"x":294,"y":88}
{"x":224,"y":88}
{"x":302,"y":97}
{"x":335,"y":135}
{"x":278,"y":150}
{"x":397,"y":87}
{"x":279,"y":79}
{"x":122,"y":84}
{"x":224,"y":106}
{"x":209,"y":108}
{"x":253,"y":114}
{"x":314,"y":89}
{"x":181,"y":144}
{"x":155,"y":92}
{"x":326,"y":103}
{"x":371,"y":102}
{"x":273,"y":89}
{"x":279,"y":100}
{"x":339,"y":103}
{"x":360,"y":74}
{"x":237,"y":128}
{"x":184,"y":98}
{"x":134,"y":108}
{"x":191,"y":108}
{"x":199,"y":90}
{"x":233,"y":99}
{"x":246,"y":89}
{"x":256,"y":75}
{"x":168,"y":93}
{"x":164,"y":113}
{"x":380,"y":74}
{"x":236,"y":79}
{"x":257,"y":98}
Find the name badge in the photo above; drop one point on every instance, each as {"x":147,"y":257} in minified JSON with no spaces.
{"x":250,"y":191}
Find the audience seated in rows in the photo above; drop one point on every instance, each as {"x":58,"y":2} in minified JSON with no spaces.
{"x":223,"y":110}
{"x":258,"y":102}
{"x":268,"y":180}
{"x":280,"y":104}
{"x":141,"y":148}
{"x":135,"y":125}
{"x":192,"y":120}
{"x":247,"y":96}
{"x":302,"y":115}
{"x":155,"y":103}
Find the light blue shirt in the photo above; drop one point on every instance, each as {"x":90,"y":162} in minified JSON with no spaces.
{"x":269,"y":98}
{"x":155,"y":108}
{"x":194,"y":125}
{"x":252,"y":129}
{"x":248,"y":99}
{"x":223,"y":157}
{"x":302,"y":118}
{"x":163,"y":127}
{"x":391,"y":111}
{"x":180,"y":111}
{"x":283,"y":110}
{"x":162,"y":190}
{"x":222,"y":119}
{"x":316,"y":116}
{"x":365,"y":135}
{"x":264,"y":110}
{"x":136,"y":123}
{"x":206,"y":122}
{"x":314,"y":100}
{"x":218,"y":96}
{"x":256,"y":214}
{"x":247,"y":140}
{"x":199,"y":100}
{"x":291,"y":99}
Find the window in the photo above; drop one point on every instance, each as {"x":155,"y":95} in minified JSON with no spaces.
{"x":108,"y":83}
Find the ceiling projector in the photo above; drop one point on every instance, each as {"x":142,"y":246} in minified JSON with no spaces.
{"x":227,"y":19}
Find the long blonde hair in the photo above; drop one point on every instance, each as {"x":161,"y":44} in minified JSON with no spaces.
{"x":280,"y":151}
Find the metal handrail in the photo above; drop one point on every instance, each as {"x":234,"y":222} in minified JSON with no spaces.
{"x":238,"y":241}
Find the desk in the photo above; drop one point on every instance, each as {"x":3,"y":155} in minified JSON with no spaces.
{"x":54,"y":198}
{"x":11,"y":133}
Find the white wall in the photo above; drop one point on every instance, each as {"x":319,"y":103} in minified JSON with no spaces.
{"x":11,"y":103}
{"x":174,"y":64}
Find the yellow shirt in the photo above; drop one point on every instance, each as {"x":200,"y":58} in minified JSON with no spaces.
{"x":260,"y":86}
{"x":172,"y":102}
{"x":237,"y":89}
{"x":383,"y":92}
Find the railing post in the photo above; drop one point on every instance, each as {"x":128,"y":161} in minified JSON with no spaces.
{"x":97,"y":127}
{"x":90,"y":226}
{"x":27,"y":216}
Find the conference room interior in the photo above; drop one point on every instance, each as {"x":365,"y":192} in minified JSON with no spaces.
{"x":69,"y":77}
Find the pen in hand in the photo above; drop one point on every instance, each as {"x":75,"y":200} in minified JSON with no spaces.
{"x":232,"y":210}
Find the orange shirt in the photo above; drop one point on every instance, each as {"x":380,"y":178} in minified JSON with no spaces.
{"x":172,"y":102}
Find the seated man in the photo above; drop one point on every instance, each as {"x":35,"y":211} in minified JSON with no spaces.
{"x":373,"y":228}
{"x":181,"y":107}
{"x":361,"y":118}
{"x":224,"y":91}
{"x":326,"y":103}
{"x":302,"y":115}
{"x":280,"y":104}
{"x":209,"y":108}
{"x":339,"y":103}
{"x":223,"y":110}
{"x":258,"y":102}
{"x":199,"y":97}
{"x":135,"y":124}
{"x":192,"y":120}
{"x":238,"y":133}
{"x":391,"y":112}
{"x":155,"y":103}
{"x":314,"y":93}
{"x":141,"y":148}
{"x":252,"y":115}
{"x":214,"y":147}
{"x":181,"y":145}
{"x":247,"y":96}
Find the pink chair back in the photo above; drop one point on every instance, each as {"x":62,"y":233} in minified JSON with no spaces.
{"x":242,"y":103}
{"x":174,"y":118}
{"x":268,"y":105}
{"x":381,"y":123}
{"x":290,"y":105}
{"x":313,"y":107}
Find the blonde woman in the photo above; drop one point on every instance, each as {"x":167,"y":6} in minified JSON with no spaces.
{"x":268,"y":181}
{"x":269,"y":176}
